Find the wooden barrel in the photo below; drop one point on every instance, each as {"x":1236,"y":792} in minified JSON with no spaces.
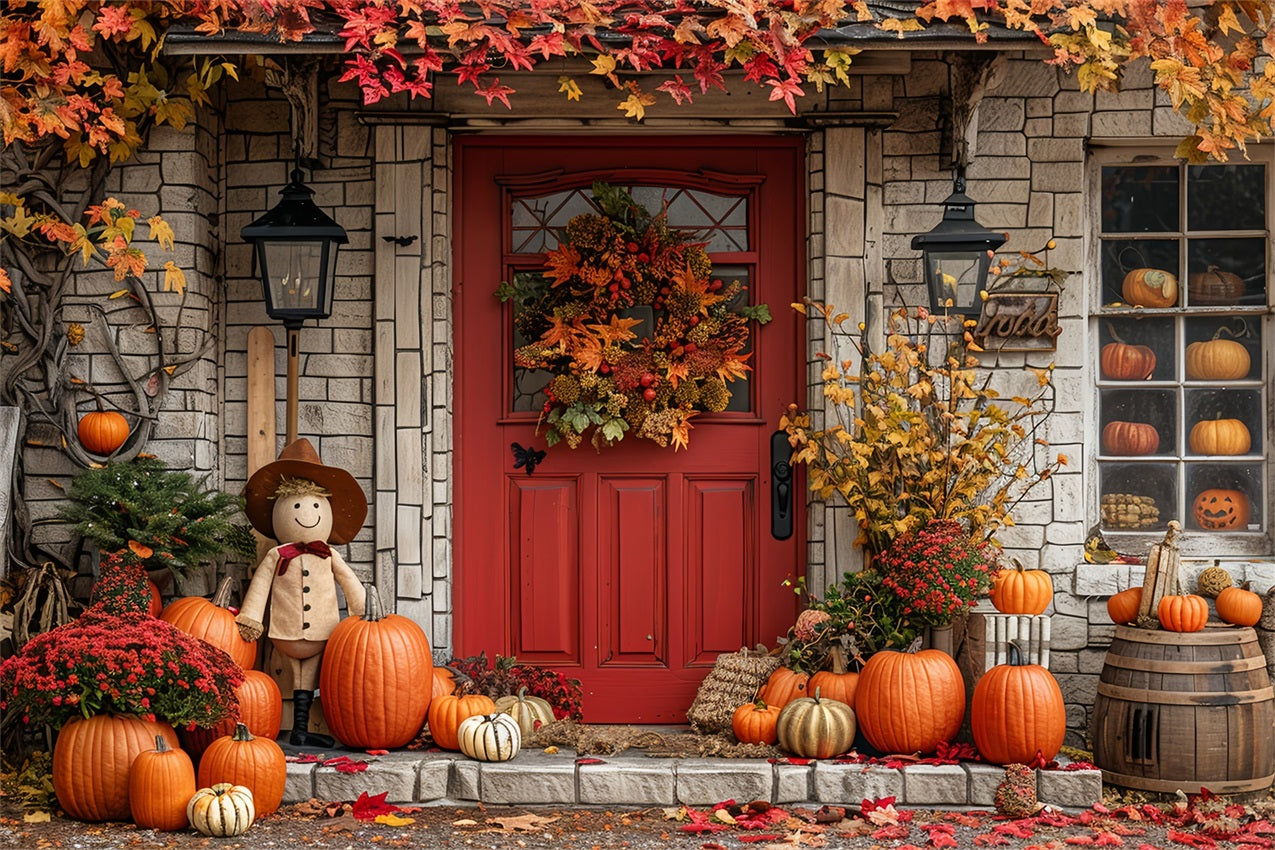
{"x":1184,"y":711}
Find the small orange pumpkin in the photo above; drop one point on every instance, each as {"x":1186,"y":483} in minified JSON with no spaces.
{"x":102,"y":431}
{"x":784,"y":686}
{"x":1022,"y":591}
{"x":242,"y":759}
{"x":1123,"y":362}
{"x":754,"y":723}
{"x":1123,"y":607}
{"x":839,"y":683}
{"x":447,"y":712}
{"x":1186,"y":613}
{"x":1220,"y":437}
{"x":160,"y":784}
{"x":1219,"y":509}
{"x":1150,"y":288}
{"x":1239,"y":606}
{"x":1130,"y":438}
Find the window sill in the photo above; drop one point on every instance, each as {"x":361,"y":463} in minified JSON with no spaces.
{"x":1109,"y":579}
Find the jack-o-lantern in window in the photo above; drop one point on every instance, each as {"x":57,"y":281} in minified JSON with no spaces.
{"x":1221,"y":510}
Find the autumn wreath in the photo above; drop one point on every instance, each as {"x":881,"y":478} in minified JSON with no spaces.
{"x":628,"y":320}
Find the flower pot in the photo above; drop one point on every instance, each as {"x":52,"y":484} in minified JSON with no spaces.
{"x":941,"y":638}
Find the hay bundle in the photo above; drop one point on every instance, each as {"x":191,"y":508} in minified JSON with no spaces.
{"x":734,"y":680}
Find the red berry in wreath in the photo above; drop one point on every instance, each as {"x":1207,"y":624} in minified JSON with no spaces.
{"x":690,"y":348}
{"x":649,"y":394}
{"x":693,"y":320}
{"x":604,"y":369}
{"x":647,"y":379}
{"x":633,"y":247}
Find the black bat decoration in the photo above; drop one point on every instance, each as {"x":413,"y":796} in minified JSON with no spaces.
{"x":527,"y":458}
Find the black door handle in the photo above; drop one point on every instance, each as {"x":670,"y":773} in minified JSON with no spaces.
{"x":780,"y":486}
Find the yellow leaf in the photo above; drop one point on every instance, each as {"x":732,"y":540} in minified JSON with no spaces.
{"x":569,"y":87}
{"x":394,"y":820}
{"x":55,"y":483}
{"x":901,"y":25}
{"x":119,"y":293}
{"x":174,"y":278}
{"x":35,"y":817}
{"x":635,"y":104}
{"x":161,"y":232}
{"x":604,"y":66}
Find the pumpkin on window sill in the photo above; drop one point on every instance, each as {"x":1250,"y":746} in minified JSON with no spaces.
{"x":1150,"y":288}
{"x":1220,"y":509}
{"x":1217,"y":359}
{"x":1121,"y":361}
{"x":1220,"y":437}
{"x":1130,"y":438}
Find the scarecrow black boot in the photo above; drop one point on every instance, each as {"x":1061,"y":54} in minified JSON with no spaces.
{"x":301,"y":719}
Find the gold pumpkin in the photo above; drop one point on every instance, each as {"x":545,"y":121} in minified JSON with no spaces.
{"x":1220,"y":437}
{"x":1150,"y":288}
{"x":1217,"y":360}
{"x":1215,"y":287}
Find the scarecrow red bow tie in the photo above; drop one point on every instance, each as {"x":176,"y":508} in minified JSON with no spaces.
{"x":292,"y":550}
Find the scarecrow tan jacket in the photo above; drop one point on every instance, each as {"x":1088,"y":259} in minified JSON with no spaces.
{"x":303,"y":601}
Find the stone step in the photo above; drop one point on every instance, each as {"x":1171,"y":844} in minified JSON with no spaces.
{"x":634,"y":780}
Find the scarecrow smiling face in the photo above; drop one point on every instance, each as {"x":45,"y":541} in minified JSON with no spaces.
{"x":302,"y":512}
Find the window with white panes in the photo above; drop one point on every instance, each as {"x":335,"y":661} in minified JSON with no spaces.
{"x":1183,"y":330}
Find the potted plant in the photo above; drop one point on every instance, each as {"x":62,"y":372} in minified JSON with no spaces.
{"x":168,"y":519}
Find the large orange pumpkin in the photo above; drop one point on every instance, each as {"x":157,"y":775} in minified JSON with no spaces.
{"x":1123,"y":362}
{"x":784,"y":686}
{"x":1220,"y":437}
{"x":1018,"y":713}
{"x":1219,"y":509}
{"x":1217,"y":360}
{"x":242,"y":759}
{"x":1022,"y":591}
{"x":1150,"y":288}
{"x":1186,"y":613}
{"x":839,"y":683}
{"x":1239,"y":606}
{"x":910,"y":702}
{"x":1130,"y":438}
{"x":377,"y":679}
{"x":260,"y":709}
{"x":214,"y":622}
{"x":160,"y":784}
{"x":446,"y":713}
{"x":91,"y":760}
{"x":754,"y":723}
{"x":102,"y":431}
{"x":1123,"y":607}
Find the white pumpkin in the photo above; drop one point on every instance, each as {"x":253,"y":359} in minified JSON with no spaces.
{"x":530,"y":712}
{"x":490,"y":737}
{"x":221,"y":810}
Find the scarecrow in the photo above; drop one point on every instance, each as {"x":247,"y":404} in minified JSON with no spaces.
{"x":305,"y":506}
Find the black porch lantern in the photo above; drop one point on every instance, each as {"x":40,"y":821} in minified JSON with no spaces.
{"x":294,"y":248}
{"x":957,"y":254}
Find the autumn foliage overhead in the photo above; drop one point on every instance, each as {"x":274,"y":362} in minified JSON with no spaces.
{"x":1208,"y":56}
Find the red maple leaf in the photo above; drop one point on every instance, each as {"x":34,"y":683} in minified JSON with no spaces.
{"x":367,"y":808}
{"x":786,"y":90}
{"x":676,"y":89}
{"x":989,"y":839}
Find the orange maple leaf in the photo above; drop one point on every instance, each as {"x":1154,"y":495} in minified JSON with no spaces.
{"x":681,"y":431}
{"x":733,"y":366}
{"x":140,"y":550}
{"x":562,"y":264}
{"x":564,"y":334}
{"x":616,"y":331}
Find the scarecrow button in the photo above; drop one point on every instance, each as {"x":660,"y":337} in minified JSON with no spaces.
{"x":305,"y":607}
{"x":305,"y":572}
{"x":305,"y":625}
{"x":305,"y":589}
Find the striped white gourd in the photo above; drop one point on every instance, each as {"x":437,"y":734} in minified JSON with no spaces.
{"x":490,"y":737}
{"x":221,"y":810}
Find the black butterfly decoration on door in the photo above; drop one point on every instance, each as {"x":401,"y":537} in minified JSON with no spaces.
{"x":527,"y":458}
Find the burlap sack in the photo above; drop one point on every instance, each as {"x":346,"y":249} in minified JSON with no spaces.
{"x":734,"y":680}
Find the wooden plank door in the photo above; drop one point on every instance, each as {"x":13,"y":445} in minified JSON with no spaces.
{"x":634,"y":567}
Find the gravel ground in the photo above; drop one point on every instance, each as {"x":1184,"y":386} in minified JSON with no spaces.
{"x":1199,"y":823}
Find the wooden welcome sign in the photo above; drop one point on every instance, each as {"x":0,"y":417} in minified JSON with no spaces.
{"x":1018,"y":321}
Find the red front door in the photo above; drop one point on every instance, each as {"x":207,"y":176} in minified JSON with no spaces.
{"x":634,"y":567}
